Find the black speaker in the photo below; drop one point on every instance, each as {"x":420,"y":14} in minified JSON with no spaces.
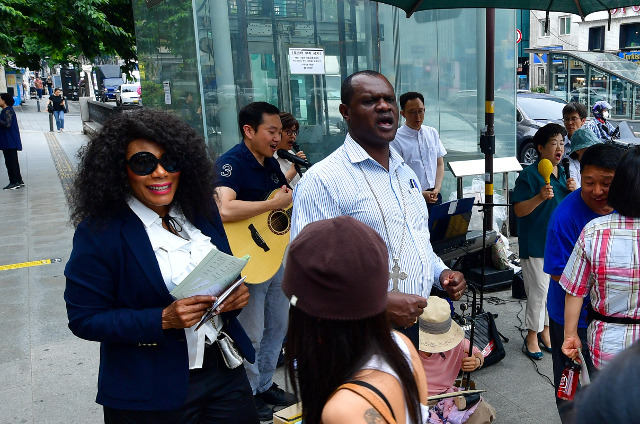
{"x":517,"y":288}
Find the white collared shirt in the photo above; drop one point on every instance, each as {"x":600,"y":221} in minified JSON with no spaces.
{"x":336,"y":186}
{"x":177,"y":257}
{"x":420,"y":150}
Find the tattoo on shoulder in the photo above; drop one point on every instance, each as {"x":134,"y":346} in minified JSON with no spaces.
{"x":371,"y":416}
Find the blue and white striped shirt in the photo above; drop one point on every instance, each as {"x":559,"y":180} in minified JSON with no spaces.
{"x":336,"y":186}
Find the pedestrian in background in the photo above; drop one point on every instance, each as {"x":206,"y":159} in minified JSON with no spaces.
{"x":58,"y":103}
{"x":10,"y":141}
{"x":39,"y":86}
{"x":49,"y":85}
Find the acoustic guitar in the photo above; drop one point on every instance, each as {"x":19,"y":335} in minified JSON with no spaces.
{"x":265,"y":238}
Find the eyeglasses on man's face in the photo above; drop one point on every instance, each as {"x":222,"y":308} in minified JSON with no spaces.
{"x":291,"y":132}
{"x":418,"y":112}
{"x":572,"y":119}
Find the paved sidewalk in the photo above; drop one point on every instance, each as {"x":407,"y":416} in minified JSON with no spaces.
{"x":47,"y":375}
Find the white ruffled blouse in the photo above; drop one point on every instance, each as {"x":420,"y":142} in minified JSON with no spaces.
{"x":177,"y":257}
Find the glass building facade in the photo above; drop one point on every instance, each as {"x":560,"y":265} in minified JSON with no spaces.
{"x":206,"y":59}
{"x":588,"y":77}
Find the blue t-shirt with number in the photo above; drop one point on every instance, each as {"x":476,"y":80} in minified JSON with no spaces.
{"x":239,"y":170}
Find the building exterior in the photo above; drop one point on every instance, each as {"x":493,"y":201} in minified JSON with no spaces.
{"x":295,"y":54}
{"x":569,"y":32}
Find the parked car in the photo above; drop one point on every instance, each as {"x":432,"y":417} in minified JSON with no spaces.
{"x":127,"y":94}
{"x":593,"y":94}
{"x":533,"y":111}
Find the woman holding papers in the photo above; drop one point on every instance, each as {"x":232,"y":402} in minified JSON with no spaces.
{"x":143,"y":205}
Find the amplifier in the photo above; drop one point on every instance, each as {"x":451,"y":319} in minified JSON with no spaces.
{"x":494,"y":279}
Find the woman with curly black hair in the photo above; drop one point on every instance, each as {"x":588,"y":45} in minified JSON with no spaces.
{"x":145,"y":215}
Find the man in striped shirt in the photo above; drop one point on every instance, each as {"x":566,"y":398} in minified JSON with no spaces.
{"x":365,"y":179}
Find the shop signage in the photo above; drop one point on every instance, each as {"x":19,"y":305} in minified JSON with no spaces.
{"x":623,"y":9}
{"x":633,"y":56}
{"x":308,"y":61}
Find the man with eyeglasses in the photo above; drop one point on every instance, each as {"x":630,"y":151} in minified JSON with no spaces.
{"x":420,"y":147}
{"x":574,"y":115}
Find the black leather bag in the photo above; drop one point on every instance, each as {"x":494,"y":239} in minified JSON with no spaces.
{"x":517,"y":287}
{"x":50,"y":108}
{"x":487,"y":338}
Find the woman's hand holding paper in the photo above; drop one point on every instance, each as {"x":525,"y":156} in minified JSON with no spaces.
{"x":184,"y":313}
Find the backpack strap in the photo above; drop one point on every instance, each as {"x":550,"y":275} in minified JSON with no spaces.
{"x":373,"y":396}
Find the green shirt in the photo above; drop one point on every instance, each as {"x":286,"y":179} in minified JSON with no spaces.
{"x":532,"y":229}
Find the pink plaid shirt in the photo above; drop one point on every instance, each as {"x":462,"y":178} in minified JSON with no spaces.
{"x":605,"y":263}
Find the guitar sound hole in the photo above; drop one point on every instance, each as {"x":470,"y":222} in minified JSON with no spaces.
{"x":279,"y":222}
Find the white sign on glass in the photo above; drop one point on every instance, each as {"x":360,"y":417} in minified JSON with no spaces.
{"x":308,"y":61}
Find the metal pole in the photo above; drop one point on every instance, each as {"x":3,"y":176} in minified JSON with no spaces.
{"x":490,"y":148}
{"x":38,"y":103}
{"x":51,"y":122}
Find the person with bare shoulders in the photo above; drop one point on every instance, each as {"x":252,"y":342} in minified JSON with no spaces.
{"x":343,"y":359}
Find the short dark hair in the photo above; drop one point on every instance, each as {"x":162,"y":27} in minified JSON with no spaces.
{"x":411,"y":95}
{"x":346,"y":91}
{"x":542,"y":136}
{"x":624,"y":193}
{"x":601,"y":155}
{"x":576,"y":107}
{"x":252,"y":113}
{"x":289,"y":121}
{"x":7,"y":98}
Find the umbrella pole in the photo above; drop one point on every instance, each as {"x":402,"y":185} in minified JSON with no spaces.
{"x":488,"y":138}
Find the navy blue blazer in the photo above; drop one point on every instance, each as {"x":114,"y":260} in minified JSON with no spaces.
{"x":115,"y":295}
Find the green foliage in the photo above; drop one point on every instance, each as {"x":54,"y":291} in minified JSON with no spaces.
{"x":63,"y":30}
{"x":152,"y":94}
{"x":539,"y":89}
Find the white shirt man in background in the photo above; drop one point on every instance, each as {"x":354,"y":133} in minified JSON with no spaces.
{"x":420,"y":147}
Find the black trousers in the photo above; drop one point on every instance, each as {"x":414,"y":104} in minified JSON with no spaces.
{"x":559,"y":360}
{"x":13,"y":166}
{"x":216,"y":395}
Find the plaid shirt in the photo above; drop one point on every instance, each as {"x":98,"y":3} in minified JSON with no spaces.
{"x":606,"y":264}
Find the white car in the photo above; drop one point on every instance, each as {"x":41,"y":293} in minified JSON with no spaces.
{"x":128,"y":94}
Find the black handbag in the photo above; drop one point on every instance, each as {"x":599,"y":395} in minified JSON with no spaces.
{"x":50,"y":108}
{"x":487,"y":338}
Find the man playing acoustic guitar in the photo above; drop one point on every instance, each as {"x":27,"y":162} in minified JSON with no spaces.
{"x":247,"y":173}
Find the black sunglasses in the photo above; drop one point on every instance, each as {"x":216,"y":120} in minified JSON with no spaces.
{"x":144,"y":163}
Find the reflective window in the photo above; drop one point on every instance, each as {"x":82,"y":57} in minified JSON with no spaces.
{"x":206,"y":59}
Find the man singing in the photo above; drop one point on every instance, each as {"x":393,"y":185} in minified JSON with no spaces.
{"x":364,"y":179}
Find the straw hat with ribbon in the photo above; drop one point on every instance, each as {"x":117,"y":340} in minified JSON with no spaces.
{"x":438,"y":332}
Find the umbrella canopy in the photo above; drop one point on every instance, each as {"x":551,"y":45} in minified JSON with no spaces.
{"x":578,"y":7}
